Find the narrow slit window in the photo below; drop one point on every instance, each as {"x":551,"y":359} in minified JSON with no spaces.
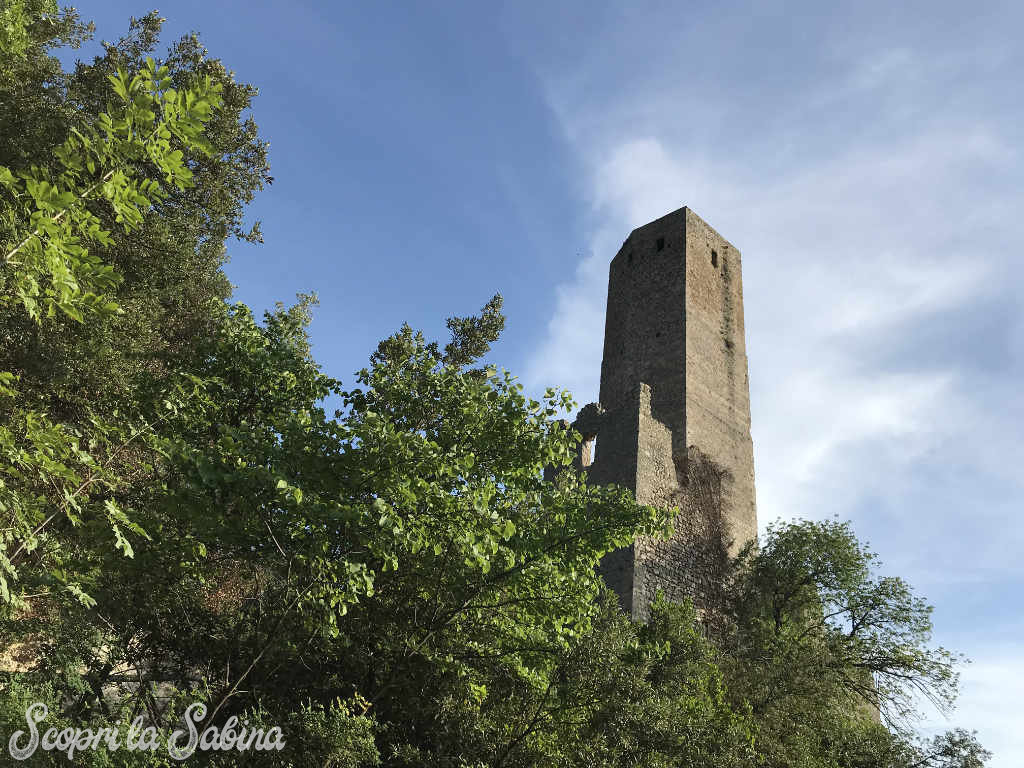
{"x":660,"y":243}
{"x":714,"y":258}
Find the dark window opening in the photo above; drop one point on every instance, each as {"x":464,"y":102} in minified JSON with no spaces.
{"x":657,"y":335}
{"x":660,"y":243}
{"x":629,"y":258}
{"x":714,"y":258}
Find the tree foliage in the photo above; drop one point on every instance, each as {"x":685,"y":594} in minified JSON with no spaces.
{"x":824,"y":650}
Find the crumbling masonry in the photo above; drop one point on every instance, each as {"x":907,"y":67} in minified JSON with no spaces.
{"x":673,"y":423}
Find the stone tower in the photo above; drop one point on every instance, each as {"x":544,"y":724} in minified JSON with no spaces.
{"x":673,"y":422}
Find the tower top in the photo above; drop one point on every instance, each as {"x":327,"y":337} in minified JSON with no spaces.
{"x":679,"y":214}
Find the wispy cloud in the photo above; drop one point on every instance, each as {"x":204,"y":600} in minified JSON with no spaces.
{"x":830,"y":268}
{"x":990,"y":703}
{"x":877,"y":214}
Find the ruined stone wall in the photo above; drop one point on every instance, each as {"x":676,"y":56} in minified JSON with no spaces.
{"x":691,"y":563}
{"x":673,"y":424}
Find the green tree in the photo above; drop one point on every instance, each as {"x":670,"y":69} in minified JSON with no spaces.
{"x":121,"y":162}
{"x":824,"y":650}
{"x":411,"y":542}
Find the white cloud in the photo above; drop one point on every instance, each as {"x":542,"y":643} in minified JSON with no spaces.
{"x":824,"y":270}
{"x":863,"y":255}
{"x":990,"y":703}
{"x":574,"y":335}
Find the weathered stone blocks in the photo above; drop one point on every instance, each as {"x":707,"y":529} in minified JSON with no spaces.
{"x":673,"y":423}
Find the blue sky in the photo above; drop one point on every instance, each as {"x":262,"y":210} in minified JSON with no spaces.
{"x":865,"y":157}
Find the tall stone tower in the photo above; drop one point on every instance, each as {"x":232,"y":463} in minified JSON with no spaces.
{"x":673,"y":422}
